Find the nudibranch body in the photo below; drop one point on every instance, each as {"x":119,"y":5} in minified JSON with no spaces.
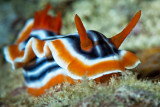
{"x":103,"y":58}
{"x":48,"y":58}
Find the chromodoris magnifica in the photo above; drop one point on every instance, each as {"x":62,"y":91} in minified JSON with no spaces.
{"x":49,"y":58}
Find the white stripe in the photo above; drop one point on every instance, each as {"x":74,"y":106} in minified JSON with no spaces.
{"x":28,"y":23}
{"x":39,"y":33}
{"x":45,"y":80}
{"x":37,"y":53}
{"x":26,"y":54}
{"x":98,"y":49}
{"x":136,"y":64}
{"x":21,"y":46}
{"x":40,"y":69}
{"x":54,"y":52}
{"x":92,"y":77}
{"x":7,"y":56}
{"x":83,"y":59}
{"x":122,"y":54}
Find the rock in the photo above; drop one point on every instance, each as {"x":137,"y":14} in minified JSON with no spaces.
{"x":150,"y":64}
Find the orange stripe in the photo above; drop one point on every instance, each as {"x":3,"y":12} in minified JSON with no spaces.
{"x":30,"y":54}
{"x":77,"y":67}
{"x":62,"y":52}
{"x":39,"y":45}
{"x":25,"y":34}
{"x":55,"y":80}
{"x":14,"y":52}
{"x":129,"y":59}
{"x":48,"y":51}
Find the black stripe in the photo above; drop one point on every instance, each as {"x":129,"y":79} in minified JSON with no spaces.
{"x":49,"y":33}
{"x":37,"y":62}
{"x":107,"y":51}
{"x":42,"y":75}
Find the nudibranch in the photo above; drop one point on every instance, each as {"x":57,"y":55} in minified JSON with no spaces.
{"x":91,"y":54}
{"x":48,"y":58}
{"x":27,"y":46}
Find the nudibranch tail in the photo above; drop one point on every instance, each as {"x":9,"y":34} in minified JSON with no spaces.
{"x":86,"y":43}
{"x":119,"y":38}
{"x":44,"y":21}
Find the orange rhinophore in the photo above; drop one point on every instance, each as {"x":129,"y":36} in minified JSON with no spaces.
{"x":119,"y":38}
{"x":86,"y":43}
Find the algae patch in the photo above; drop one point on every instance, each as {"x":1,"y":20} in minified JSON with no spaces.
{"x":125,"y":91}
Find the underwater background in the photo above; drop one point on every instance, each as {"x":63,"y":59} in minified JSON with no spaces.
{"x":138,"y":87}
